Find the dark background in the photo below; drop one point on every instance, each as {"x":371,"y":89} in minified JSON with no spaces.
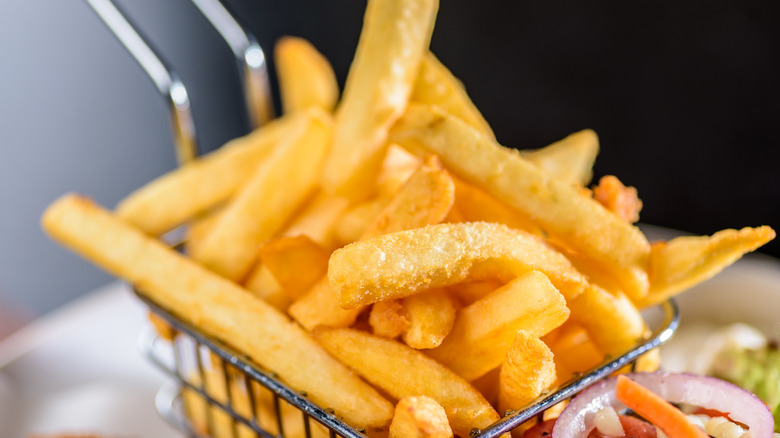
{"x":684,"y":96}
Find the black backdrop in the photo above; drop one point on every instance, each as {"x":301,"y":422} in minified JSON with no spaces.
{"x":684,"y":95}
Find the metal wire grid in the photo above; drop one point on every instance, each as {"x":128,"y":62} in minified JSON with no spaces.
{"x":220,"y":393}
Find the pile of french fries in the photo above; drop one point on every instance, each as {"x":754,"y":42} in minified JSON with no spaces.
{"x":384,"y":254}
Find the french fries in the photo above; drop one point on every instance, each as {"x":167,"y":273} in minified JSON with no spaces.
{"x":454,"y":275}
{"x":563,"y":212}
{"x":393,"y":42}
{"x":403,"y":372}
{"x":217,"y":306}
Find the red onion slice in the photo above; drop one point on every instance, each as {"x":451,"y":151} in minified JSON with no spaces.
{"x":576,"y":420}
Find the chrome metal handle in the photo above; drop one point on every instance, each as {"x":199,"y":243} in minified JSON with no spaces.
{"x":250,"y":57}
{"x":166,"y":80}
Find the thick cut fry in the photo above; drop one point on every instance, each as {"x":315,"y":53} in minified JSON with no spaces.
{"x":527,"y":370}
{"x":573,"y":351}
{"x":474,"y":205}
{"x":305,"y":77}
{"x":264,"y":204}
{"x":318,"y":220}
{"x":570,"y":160}
{"x":402,"y":372}
{"x":394,"y":39}
{"x":388,"y":319}
{"x":613,"y":322}
{"x":431,"y":315}
{"x":297,"y":263}
{"x":357,"y":218}
{"x":194,"y":188}
{"x":397,"y":167}
{"x":404,"y":263}
{"x":582,"y":223}
{"x":471,"y":291}
{"x":419,"y":417}
{"x":217,"y":306}
{"x":685,"y":261}
{"x":484,"y":331}
{"x":435,"y":85}
{"x":263,"y":284}
{"x":425,"y":199}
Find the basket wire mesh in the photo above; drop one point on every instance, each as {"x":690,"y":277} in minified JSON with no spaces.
{"x":218,"y":392}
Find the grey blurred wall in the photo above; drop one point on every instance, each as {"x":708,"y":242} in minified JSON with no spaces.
{"x":78,"y":114}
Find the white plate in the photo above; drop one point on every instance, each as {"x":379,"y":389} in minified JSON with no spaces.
{"x":78,"y":371}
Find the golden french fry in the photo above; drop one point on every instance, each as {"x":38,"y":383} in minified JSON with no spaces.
{"x":560,"y":210}
{"x":484,"y":331}
{"x":388,"y":319}
{"x":431,"y":315}
{"x":319,"y":219}
{"x":611,"y":319}
{"x":305,"y":77}
{"x":196,"y":187}
{"x":527,"y":370}
{"x":687,"y":260}
{"x":404,"y":263}
{"x":569,"y":160}
{"x":471,"y":291}
{"x":425,"y":198}
{"x":200,"y":227}
{"x":397,"y":167}
{"x":357,"y":218}
{"x":264,"y":204}
{"x":219,"y":307}
{"x":394,"y":39}
{"x":402,"y":371}
{"x":474,"y":205}
{"x":573,"y":351}
{"x":435,"y":85}
{"x":419,"y":417}
{"x":263,"y":284}
{"x":297,"y":263}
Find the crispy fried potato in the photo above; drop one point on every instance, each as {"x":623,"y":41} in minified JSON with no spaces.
{"x":582,"y":223}
{"x":435,"y":85}
{"x":471,"y":291}
{"x":419,"y":417}
{"x":687,"y":260}
{"x":219,"y":307}
{"x":267,"y":201}
{"x":431,"y":315}
{"x":397,"y":167}
{"x":297,"y":263}
{"x":402,"y":371}
{"x":425,"y":199}
{"x":617,"y":198}
{"x":319,"y":219}
{"x":263,"y":284}
{"x":388,"y":319}
{"x":357,"y":218}
{"x":573,"y":351}
{"x":569,"y":160}
{"x":305,"y":77}
{"x":474,"y":205}
{"x":162,"y":205}
{"x":394,"y":39}
{"x":611,"y":319}
{"x":527,"y":370}
{"x":484,"y":331}
{"x":404,"y":263}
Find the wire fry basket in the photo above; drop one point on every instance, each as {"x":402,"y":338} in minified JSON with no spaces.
{"x":218,"y":392}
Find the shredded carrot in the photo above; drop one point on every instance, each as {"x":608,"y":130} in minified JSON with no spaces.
{"x":656,"y":410}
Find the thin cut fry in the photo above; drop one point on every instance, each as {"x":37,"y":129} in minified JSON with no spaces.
{"x":404,"y":263}
{"x":611,"y":319}
{"x":306,"y":78}
{"x":527,"y":370}
{"x":194,"y":188}
{"x":687,"y":260}
{"x":402,"y":372}
{"x":582,"y":223}
{"x":484,"y":331}
{"x":275,"y":191}
{"x":419,"y":417}
{"x":219,"y":307}
{"x":431,"y":315}
{"x":394,"y":39}
{"x":569,"y":160}
{"x":435,"y":85}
